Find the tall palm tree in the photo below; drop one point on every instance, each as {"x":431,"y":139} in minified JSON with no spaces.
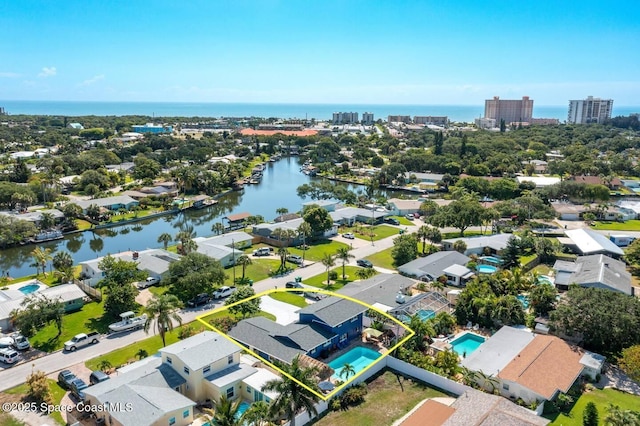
{"x":162,"y":310}
{"x":63,"y":263}
{"x":218,"y":228}
{"x":226,"y":412}
{"x":422,"y":234}
{"x":257,"y":415}
{"x":283,"y":253}
{"x":292,"y":397}
{"x":243,"y":261}
{"x":304,"y":231}
{"x":189,"y":246}
{"x":364,"y":273}
{"x":344,"y":255}
{"x":282,"y":210}
{"x":328,"y":261}
{"x":47,"y":220}
{"x":165,"y":238}
{"x":41,"y":257}
{"x":347,"y":371}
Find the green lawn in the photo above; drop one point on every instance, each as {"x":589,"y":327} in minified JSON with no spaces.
{"x":320,"y":280}
{"x":317,"y":249}
{"x":404,"y":221}
{"x":83,"y":225}
{"x":630,"y":225}
{"x":526,"y":259}
{"x":379,"y":232}
{"x":87,"y":319}
{"x":602,"y":399}
{"x":8,"y":420}
{"x":258,"y":270}
{"x":48,"y":279}
{"x":467,"y":233}
{"x":158,"y":290}
{"x":56,"y":394}
{"x":383,"y":259}
{"x":398,"y":395}
{"x":290,"y":298}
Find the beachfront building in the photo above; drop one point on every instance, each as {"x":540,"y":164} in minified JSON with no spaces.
{"x":509,"y":110}
{"x":345,"y":117}
{"x":590,"y":110}
{"x":406,"y":119}
{"x":531,"y":367}
{"x":429,"y":120}
{"x":151,"y":128}
{"x":367,"y":118}
{"x":598,"y":271}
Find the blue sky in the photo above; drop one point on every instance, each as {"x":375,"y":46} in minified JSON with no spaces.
{"x":381,"y":52}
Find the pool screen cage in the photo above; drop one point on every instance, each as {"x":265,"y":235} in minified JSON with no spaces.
{"x":426,"y":302}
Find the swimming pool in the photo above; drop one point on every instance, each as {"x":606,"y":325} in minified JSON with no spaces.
{"x":244,"y":406}
{"x":492,"y":259}
{"x":359,"y":358}
{"x":426,"y":314}
{"x":28,"y":289}
{"x":486,"y":269}
{"x":543,"y":279}
{"x":524,"y":300}
{"x":466,"y":344}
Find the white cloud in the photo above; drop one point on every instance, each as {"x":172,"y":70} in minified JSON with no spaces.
{"x":9,"y":74}
{"x":48,"y":72}
{"x":92,"y":80}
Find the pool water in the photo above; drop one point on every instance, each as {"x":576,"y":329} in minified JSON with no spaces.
{"x":487,"y":269}
{"x":244,"y":406}
{"x":543,"y":279}
{"x":426,"y":314}
{"x":28,"y":289}
{"x":524,"y":300}
{"x":359,"y":358}
{"x":466,"y":344}
{"x":492,"y":259}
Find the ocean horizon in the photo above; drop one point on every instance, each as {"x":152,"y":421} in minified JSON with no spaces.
{"x":463,"y":113}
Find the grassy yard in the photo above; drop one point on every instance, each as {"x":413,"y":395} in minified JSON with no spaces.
{"x":83,"y":225}
{"x":290,"y":298}
{"x":21,"y":391}
{"x":8,"y":420}
{"x":383,"y":259}
{"x":257,"y":271}
{"x":542,"y":269}
{"x":399,"y":395}
{"x":467,"y":233}
{"x":48,"y":279}
{"x":320,"y":280}
{"x":317,"y":249}
{"x":379,"y":232}
{"x":87,"y":319}
{"x":630,"y":225}
{"x":404,"y":221}
{"x":602,"y":399}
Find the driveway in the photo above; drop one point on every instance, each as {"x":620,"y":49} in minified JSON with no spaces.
{"x":284,"y":312}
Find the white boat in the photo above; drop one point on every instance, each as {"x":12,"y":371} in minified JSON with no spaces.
{"x":129,"y":321}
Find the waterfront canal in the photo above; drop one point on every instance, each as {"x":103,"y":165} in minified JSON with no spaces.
{"x":277,"y":189}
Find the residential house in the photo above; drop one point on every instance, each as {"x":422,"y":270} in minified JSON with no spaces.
{"x":586,"y":241}
{"x":11,"y":298}
{"x":76,"y":126}
{"x":153,"y":261}
{"x":328,"y":205}
{"x":400,"y":207}
{"x":569,"y":211}
{"x":109,"y":203}
{"x":237,"y":221}
{"x":449,"y":264}
{"x":350,"y":215}
{"x":425,"y":181}
{"x":35,"y":217}
{"x":539,"y":181}
{"x":479,"y":245}
{"x":597,"y":271}
{"x":225,"y":248}
{"x":531,"y":367}
{"x":381,"y":291}
{"x":539,"y":166}
{"x":612,"y":183}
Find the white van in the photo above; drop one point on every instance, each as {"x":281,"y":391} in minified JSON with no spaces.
{"x":9,"y":356}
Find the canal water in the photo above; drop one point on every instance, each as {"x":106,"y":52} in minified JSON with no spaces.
{"x":277,"y":189}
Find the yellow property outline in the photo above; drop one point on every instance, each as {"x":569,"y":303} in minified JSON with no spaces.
{"x":307,"y":290}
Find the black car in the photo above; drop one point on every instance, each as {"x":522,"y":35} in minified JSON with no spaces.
{"x":201,"y":299}
{"x":77,"y":388}
{"x":293,"y":284}
{"x":98,"y":376}
{"x":392,"y":220}
{"x":65,"y":377}
{"x":364,"y":263}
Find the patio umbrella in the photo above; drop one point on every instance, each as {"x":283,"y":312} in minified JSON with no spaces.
{"x":373,"y":332}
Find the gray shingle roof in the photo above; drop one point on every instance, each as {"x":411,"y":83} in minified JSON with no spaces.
{"x":382,"y":289}
{"x":333,"y":310}
{"x":230,"y":375}
{"x":257,"y":333}
{"x":498,"y":351}
{"x":592,"y":242}
{"x":225,"y":239}
{"x":202,"y":349}
{"x":434,"y":265}
{"x":306,"y":336}
{"x":594,"y":271}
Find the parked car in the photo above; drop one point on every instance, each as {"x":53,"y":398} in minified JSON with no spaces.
{"x":410,"y":216}
{"x":262,"y":251}
{"x":81,"y":340}
{"x":65,"y":377}
{"x":349,"y":235}
{"x":20,"y":342}
{"x":364,"y":263}
{"x":77,"y":388}
{"x":148,"y":282}
{"x":314,"y":296}
{"x":201,"y":299}
{"x":416,"y":215}
{"x":223,"y":292}
{"x":294,"y":258}
{"x":9,"y":355}
{"x":392,"y":220}
{"x":98,"y":376}
{"x":293,"y":284}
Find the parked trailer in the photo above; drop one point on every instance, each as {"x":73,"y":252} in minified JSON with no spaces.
{"x":622,"y":240}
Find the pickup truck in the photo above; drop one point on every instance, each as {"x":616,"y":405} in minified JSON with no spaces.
{"x":223,"y":292}
{"x":147,"y":283}
{"x":81,"y":340}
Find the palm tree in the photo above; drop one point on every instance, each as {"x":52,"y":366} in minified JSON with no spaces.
{"x":618,"y":417}
{"x":487,"y":381}
{"x":283,"y":253}
{"x":142,"y":353}
{"x":256,"y":415}
{"x":63,"y":263}
{"x":292,"y":397}
{"x":162,"y":310}
{"x":344,"y":255}
{"x":422,"y":234}
{"x":304,"y":231}
{"x":243,"y":261}
{"x":41,"y":257}
{"x":282,"y":210}
{"x":328,"y":261}
{"x":347,"y":371}
{"x":105,"y":365}
{"x":226,"y":412}
{"x":93,"y":211}
{"x":218,"y":228}
{"x":364,"y":273}
{"x":165,"y":238}
{"x":469,"y":377}
{"x":47,"y":220}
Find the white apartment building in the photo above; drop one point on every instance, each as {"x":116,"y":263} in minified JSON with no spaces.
{"x":590,"y":110}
